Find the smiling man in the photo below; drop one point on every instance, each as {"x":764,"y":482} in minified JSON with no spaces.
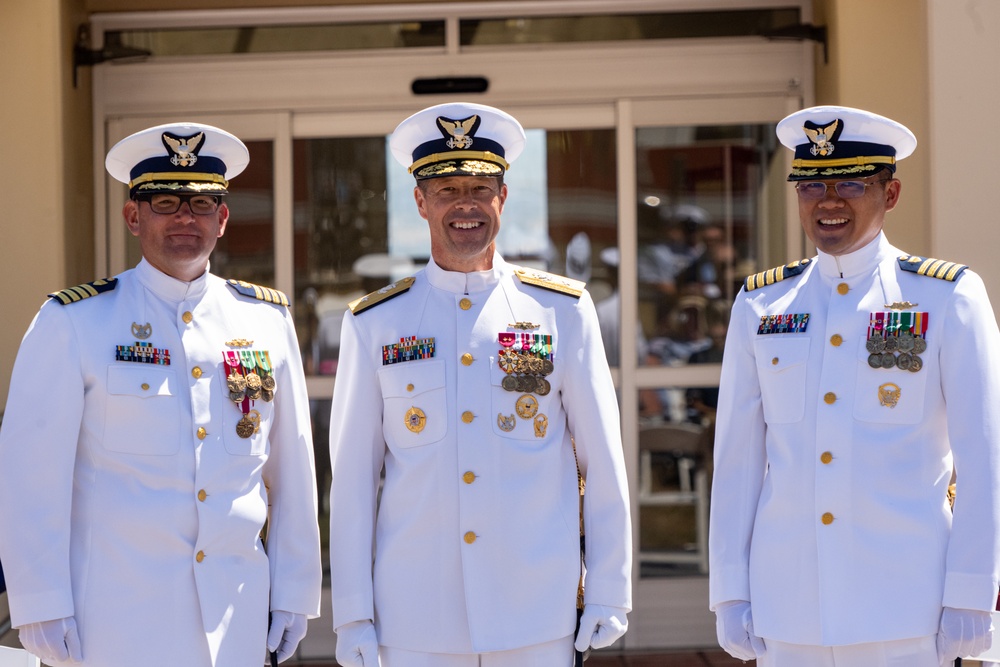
{"x":853,"y":384}
{"x":467,"y":385}
{"x":155,"y":422}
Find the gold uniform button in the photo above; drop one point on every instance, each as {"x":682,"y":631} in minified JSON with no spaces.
{"x":469,"y":537}
{"x":829,"y":397}
{"x":187,"y":317}
{"x":843,"y":288}
{"x":467,"y":417}
{"x":826,"y":457}
{"x":200,"y":556}
{"x":836,"y":340}
{"x":196,"y":372}
{"x":202,"y":495}
{"x":467,"y":359}
{"x":465,"y":304}
{"x":145,"y":386}
{"x":202,"y":432}
{"x":774,"y":362}
{"x":409,"y":387}
{"x":827,"y":518}
{"x":469,"y":477}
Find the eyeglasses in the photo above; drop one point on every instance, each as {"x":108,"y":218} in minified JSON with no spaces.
{"x":166,"y":204}
{"x":844,"y":189}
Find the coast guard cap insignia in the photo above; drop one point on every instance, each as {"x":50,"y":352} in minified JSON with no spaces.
{"x":821,"y":137}
{"x":458,"y":132}
{"x":183,"y":150}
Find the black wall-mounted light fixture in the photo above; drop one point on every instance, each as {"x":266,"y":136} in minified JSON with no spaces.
{"x":83,"y":56}
{"x":450,"y":85}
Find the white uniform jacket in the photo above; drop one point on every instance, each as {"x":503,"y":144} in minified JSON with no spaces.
{"x":829,"y":505}
{"x":476,"y":542}
{"x":129,"y":501}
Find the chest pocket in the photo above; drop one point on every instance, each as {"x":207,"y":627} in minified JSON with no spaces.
{"x":142,"y":410}
{"x":781,"y":367}
{"x":889,"y":396}
{"x":414,"y":403}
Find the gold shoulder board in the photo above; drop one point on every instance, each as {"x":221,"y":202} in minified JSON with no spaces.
{"x":259,"y":292}
{"x":928,"y":266}
{"x":550,"y":281}
{"x":381,"y":295}
{"x":775,"y":275}
{"x":84,"y":291}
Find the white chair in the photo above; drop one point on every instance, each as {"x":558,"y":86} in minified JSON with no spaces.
{"x":17,"y":657}
{"x":685,"y":443}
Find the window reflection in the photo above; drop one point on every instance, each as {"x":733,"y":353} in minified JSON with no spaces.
{"x":698,"y":232}
{"x":246,"y":250}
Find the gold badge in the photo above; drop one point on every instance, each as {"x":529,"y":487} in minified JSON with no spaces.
{"x":142,"y":331}
{"x":507,"y":423}
{"x":541,"y":424}
{"x":527,"y":406}
{"x":901,"y":305}
{"x":239,"y":342}
{"x":888,"y":394}
{"x":415,"y":419}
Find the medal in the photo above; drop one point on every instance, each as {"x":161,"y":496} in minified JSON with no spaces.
{"x":888,"y":394}
{"x":891,"y":344}
{"x":267,"y":382}
{"x":509,"y":383}
{"x":526,"y":406}
{"x":875,"y":345}
{"x":888,"y":360}
{"x":875,"y":360}
{"x":916,"y":363}
{"x":244,"y":428}
{"x":237,"y":385}
{"x":919,"y":345}
{"x":506,"y":423}
{"x":541,"y":424}
{"x":415,"y":419}
{"x":903,"y":361}
{"x":542,"y":387}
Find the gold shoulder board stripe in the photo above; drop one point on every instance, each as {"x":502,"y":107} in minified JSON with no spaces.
{"x":84,"y":291}
{"x":928,"y":266}
{"x":259,"y":292}
{"x":550,"y":281}
{"x":381,"y":295}
{"x":775,"y":275}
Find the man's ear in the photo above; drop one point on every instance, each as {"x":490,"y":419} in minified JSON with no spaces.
{"x":131,"y":214}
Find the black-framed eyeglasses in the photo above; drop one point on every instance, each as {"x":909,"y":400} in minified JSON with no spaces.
{"x":844,"y":189}
{"x":167,"y":204}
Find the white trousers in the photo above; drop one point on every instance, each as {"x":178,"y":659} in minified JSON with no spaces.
{"x":919,"y":652}
{"x":558,"y":653}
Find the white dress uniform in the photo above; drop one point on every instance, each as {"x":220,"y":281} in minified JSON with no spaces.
{"x":830,"y":512}
{"x":129,"y":501}
{"x":476,"y":539}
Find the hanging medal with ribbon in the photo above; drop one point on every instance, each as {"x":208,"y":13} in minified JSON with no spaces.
{"x":236,"y":383}
{"x":268,"y":384}
{"x":254,"y":385}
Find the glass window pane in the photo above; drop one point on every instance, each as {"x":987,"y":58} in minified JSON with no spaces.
{"x":246,"y":250}
{"x":275,"y":39}
{"x":675,"y":471}
{"x":341,"y":238}
{"x":700,"y":205}
{"x":668,"y":25}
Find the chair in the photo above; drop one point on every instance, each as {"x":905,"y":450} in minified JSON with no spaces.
{"x":686,"y":443}
{"x":17,"y":657}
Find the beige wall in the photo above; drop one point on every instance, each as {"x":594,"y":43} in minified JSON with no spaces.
{"x":41,"y":164}
{"x":878,"y":61}
{"x":964,"y":107}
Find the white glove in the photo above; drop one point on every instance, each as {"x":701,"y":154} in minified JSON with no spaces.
{"x":52,"y":641}
{"x":357,"y":645}
{"x":600,"y":626}
{"x":963,"y":633}
{"x":734,"y":629}
{"x":286,"y":631}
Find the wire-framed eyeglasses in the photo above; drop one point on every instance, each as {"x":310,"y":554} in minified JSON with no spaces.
{"x":167,"y":204}
{"x":844,"y":189}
